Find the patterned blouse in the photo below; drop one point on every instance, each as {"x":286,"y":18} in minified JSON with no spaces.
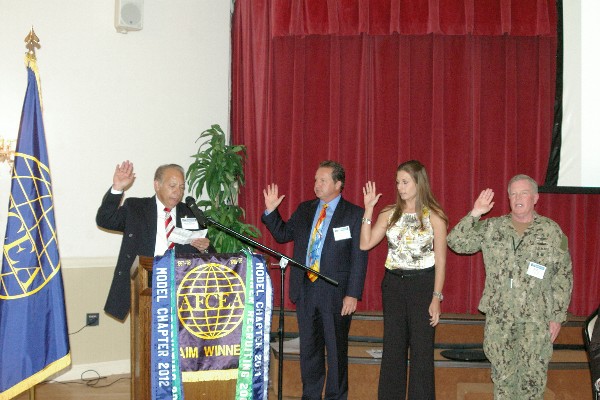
{"x":409,"y":246}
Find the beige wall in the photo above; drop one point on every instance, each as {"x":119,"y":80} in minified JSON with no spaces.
{"x":85,"y":292}
{"x":143,"y":96}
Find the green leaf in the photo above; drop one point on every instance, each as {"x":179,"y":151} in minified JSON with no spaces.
{"x":217,"y":173}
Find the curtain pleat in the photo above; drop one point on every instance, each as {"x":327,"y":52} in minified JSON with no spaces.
{"x":476,"y":109}
{"x":413,"y":17}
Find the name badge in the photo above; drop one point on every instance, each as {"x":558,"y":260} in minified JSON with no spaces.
{"x":342,"y":233}
{"x":189,"y":223}
{"x":536,"y":270}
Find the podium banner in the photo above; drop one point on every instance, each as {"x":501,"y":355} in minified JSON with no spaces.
{"x":164,"y":372}
{"x":216,"y":294}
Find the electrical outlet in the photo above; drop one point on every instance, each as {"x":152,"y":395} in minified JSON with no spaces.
{"x":92,"y":319}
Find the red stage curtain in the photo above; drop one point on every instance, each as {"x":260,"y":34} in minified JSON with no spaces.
{"x":413,"y":17}
{"x":457,"y":90}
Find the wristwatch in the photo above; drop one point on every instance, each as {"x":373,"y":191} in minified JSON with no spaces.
{"x":439,"y":295}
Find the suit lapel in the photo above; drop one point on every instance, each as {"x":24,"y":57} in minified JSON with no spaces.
{"x":335,"y":221}
{"x":182,"y":212}
{"x":306,"y":228}
{"x":312,"y":210}
{"x":337,"y":215}
{"x":150,"y":217}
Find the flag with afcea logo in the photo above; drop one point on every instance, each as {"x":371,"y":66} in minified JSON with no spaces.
{"x":34,"y":342}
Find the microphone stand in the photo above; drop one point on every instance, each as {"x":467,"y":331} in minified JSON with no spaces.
{"x":283,"y":262}
{"x":282,"y":266}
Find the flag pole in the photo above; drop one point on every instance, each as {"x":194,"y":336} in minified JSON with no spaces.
{"x":31,"y":288}
{"x":31,"y":43}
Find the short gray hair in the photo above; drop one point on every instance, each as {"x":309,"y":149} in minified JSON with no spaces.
{"x":160,"y":171}
{"x":521,"y":177}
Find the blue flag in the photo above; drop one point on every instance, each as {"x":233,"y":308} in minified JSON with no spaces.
{"x":34,"y":342}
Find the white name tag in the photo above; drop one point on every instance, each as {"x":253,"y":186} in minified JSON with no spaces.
{"x":342,"y":233}
{"x":536,"y":270}
{"x":189,"y":223}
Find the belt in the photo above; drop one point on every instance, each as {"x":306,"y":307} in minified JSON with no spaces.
{"x":409,"y":273}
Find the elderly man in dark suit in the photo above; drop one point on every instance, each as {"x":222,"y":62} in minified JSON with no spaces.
{"x":142,"y":222}
{"x":326,"y":235}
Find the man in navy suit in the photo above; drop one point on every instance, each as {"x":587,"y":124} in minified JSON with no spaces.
{"x":142,"y":222}
{"x":324,"y":311}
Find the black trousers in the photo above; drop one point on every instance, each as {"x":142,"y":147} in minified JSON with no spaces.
{"x":406,"y":326}
{"x":321,"y":328}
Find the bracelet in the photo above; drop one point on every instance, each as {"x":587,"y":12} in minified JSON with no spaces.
{"x":366,"y":221}
{"x":439,"y":295}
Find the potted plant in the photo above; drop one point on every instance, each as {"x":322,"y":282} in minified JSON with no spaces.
{"x":218,"y":173}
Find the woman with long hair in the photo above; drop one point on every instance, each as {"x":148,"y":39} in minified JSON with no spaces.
{"x":416,"y":228}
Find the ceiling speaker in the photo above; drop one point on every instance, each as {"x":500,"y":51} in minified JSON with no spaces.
{"x":129,"y":15}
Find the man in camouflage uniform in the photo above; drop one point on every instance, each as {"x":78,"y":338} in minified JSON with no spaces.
{"x":527,"y":287}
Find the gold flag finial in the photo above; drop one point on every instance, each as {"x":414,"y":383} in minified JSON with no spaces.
{"x":32,"y":42}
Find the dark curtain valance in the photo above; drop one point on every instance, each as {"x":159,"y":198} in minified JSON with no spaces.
{"x":413,"y":17}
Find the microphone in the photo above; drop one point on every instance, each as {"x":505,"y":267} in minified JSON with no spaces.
{"x":204,"y":220}
{"x":191,"y":203}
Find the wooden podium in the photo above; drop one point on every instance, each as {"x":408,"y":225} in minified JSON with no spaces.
{"x":141,"y":317}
